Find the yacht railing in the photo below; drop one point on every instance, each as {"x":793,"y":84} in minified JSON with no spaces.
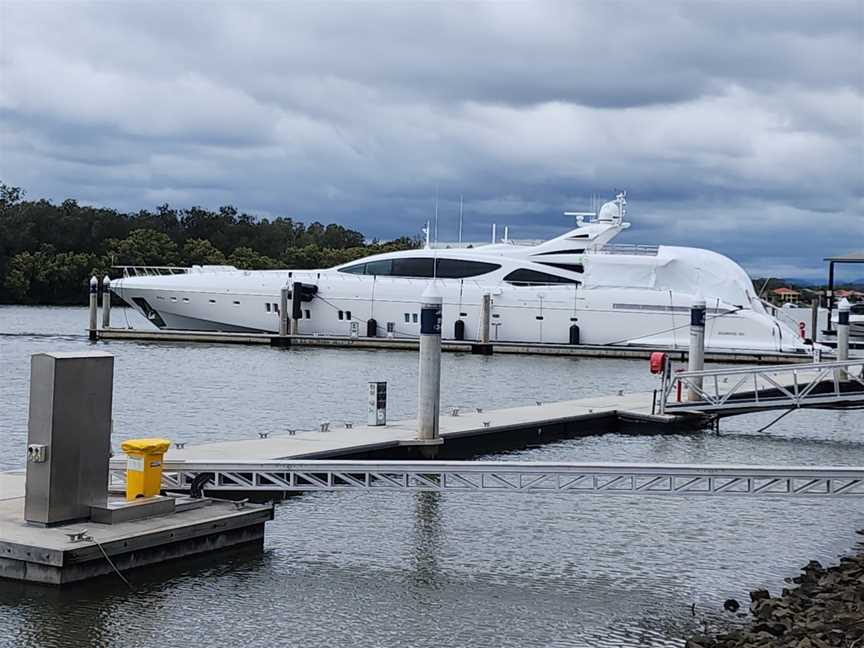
{"x":629,"y":248}
{"x":150,"y":271}
{"x":780,"y":314}
{"x":450,"y":245}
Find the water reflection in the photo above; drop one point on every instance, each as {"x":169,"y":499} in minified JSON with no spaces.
{"x":429,"y":569}
{"x":428,"y":538}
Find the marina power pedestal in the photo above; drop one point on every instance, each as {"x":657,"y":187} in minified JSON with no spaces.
{"x":68,"y":436}
{"x":377,"y":411}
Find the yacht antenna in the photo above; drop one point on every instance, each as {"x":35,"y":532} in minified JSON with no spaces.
{"x":425,"y":231}
{"x":436,"y":218}
{"x":621,"y":201}
{"x":460,"y":220}
{"x":506,"y":234}
{"x":493,"y":233}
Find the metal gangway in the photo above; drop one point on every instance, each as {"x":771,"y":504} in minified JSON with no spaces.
{"x":287,"y":476}
{"x":729,"y":391}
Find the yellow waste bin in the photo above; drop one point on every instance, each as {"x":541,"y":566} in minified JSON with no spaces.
{"x":144,"y":466}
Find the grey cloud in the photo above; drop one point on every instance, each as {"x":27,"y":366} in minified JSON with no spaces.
{"x":364,"y":112}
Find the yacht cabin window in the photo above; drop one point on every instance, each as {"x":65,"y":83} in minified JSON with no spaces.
{"x":423,"y":267}
{"x":461,"y":268}
{"x":525,"y":277}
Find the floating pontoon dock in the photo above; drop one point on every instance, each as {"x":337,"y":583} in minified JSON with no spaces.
{"x":404,"y":344}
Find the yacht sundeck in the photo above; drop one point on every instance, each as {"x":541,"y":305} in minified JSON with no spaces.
{"x":613,"y":294}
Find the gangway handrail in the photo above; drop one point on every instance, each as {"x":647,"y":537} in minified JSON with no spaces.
{"x":838,"y":383}
{"x":807,"y":366}
{"x":578,"y":478}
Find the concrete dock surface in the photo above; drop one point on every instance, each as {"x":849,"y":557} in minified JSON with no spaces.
{"x":340,"y":441}
{"x":47,"y":555}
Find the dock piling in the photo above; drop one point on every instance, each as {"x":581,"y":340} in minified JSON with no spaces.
{"x":485,"y":317}
{"x":696,"y":353}
{"x":296,"y":307}
{"x":94,"y":302}
{"x":814,"y":320}
{"x":843,"y":334}
{"x":429,"y":384}
{"x":283,"y":311}
{"x":106,"y":302}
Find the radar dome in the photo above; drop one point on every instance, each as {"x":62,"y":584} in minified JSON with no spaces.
{"x":608,"y":212}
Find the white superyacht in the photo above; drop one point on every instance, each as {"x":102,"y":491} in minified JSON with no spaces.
{"x":577,"y":283}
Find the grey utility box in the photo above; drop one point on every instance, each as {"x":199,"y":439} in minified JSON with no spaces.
{"x":69,"y":436}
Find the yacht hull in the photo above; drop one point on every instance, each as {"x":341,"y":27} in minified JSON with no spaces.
{"x":343,"y":306}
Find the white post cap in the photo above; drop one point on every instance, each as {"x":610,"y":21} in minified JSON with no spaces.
{"x":432,"y":295}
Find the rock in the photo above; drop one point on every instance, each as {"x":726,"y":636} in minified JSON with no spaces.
{"x":774,"y":629}
{"x":731,"y":605}
{"x":825,"y":610}
{"x":758,"y":595}
{"x":766,"y":608}
{"x":701,"y":642}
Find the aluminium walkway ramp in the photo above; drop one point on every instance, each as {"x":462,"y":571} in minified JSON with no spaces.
{"x":730,"y":391}
{"x":270,"y":477}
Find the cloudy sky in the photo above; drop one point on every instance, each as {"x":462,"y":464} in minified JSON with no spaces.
{"x":737,"y":126}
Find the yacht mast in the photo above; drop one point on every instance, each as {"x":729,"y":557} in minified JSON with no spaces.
{"x":460,"y":220}
{"x":436,"y":218}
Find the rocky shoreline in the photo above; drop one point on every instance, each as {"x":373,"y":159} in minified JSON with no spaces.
{"x":824,"y":607}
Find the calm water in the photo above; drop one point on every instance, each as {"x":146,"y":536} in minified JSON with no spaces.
{"x":426,"y":569}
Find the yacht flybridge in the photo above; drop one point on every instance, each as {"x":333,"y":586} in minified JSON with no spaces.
{"x":578,"y":282}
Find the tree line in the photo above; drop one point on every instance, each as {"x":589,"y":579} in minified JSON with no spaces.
{"x":48,"y":252}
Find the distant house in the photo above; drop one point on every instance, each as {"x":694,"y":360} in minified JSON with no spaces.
{"x":786,"y":295}
{"x":851,"y":295}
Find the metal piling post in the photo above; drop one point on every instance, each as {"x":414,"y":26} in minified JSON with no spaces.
{"x":283,"y":311}
{"x":94,"y":302}
{"x":814,"y":320}
{"x":843,"y":335}
{"x":429,"y":383}
{"x":696,"y":353}
{"x":106,"y":302}
{"x":485,"y":317}
{"x":296,"y":307}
